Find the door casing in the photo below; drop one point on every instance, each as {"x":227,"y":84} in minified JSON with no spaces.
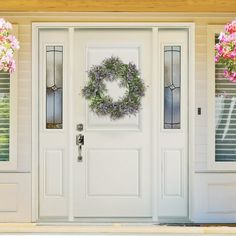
{"x":191,"y":107}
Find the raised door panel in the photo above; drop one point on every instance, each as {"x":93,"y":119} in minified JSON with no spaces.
{"x":15,"y":197}
{"x":215,"y":201}
{"x":53,"y":175}
{"x":112,"y":172}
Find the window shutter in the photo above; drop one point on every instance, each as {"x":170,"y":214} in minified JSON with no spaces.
{"x":4,"y":115}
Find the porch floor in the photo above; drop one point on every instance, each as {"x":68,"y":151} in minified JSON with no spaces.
{"x":32,"y":228}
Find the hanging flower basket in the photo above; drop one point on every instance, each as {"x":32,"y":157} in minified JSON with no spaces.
{"x":226,"y":50}
{"x":8,"y":44}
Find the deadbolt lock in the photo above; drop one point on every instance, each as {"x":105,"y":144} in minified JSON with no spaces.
{"x":80,"y":127}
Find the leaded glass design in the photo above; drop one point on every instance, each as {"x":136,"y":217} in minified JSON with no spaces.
{"x":54,"y":87}
{"x":225,"y":115}
{"x":4,"y":115}
{"x":172,"y":87}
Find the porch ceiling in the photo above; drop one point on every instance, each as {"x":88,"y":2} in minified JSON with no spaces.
{"x":118,"y":6}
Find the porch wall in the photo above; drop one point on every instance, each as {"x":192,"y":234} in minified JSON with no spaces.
{"x":203,"y":179}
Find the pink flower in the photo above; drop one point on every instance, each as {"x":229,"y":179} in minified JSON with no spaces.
{"x":230,"y":75}
{"x":12,"y":66}
{"x":8,"y":44}
{"x":231,"y":27}
{"x":219,"y":48}
{"x":2,"y":23}
{"x":233,"y":55}
{"x":217,"y":58}
{"x":14,"y":42}
{"x":222,"y":37}
{"x":225,"y":50}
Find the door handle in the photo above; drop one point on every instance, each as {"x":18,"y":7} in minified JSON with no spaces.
{"x":80,"y":143}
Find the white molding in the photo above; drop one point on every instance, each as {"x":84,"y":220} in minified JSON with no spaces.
{"x":71,"y":129}
{"x":35,"y":125}
{"x":111,"y":25}
{"x":155,"y":26}
{"x":11,"y":164}
{"x":155,"y":122}
{"x":191,"y":119}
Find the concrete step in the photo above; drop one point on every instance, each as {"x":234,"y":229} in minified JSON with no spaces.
{"x":113,"y":229}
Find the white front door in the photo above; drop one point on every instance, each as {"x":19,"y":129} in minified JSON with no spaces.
{"x":133,"y":167}
{"x":114,"y":177}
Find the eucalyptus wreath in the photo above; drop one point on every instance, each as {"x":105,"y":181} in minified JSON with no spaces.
{"x":127,"y":75}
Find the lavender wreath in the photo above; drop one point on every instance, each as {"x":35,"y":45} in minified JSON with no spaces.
{"x":95,"y":91}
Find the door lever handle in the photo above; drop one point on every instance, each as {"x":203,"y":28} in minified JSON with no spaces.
{"x":80,"y":143}
{"x":80,"y":139}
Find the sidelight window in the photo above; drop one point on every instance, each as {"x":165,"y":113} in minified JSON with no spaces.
{"x":54,"y":87}
{"x":172,"y":87}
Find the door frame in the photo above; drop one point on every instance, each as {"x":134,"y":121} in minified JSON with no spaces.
{"x":191,"y":107}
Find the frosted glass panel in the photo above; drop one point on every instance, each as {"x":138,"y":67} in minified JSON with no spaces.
{"x":54,"y":87}
{"x":4,"y":115}
{"x":172,"y":84}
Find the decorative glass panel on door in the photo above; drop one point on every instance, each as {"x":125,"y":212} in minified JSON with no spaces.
{"x":4,"y":115}
{"x":225,"y":115}
{"x":54,"y":87}
{"x":172,"y":87}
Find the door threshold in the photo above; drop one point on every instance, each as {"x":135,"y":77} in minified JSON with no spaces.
{"x":98,"y":221}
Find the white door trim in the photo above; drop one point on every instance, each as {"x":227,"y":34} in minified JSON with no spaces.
{"x":191,"y":107}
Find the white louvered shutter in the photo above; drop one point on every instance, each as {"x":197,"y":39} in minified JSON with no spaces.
{"x":4,"y":115}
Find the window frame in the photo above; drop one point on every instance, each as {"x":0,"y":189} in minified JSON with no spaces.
{"x":11,"y":164}
{"x":212,"y":163}
{"x":180,"y":45}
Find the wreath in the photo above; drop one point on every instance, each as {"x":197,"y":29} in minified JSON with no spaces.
{"x":128,"y":76}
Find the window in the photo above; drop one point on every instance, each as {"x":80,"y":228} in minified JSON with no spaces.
{"x":8,"y":117}
{"x":4,"y":116}
{"x":54,"y":87}
{"x":172,"y":84}
{"x":225,"y":115}
{"x":8,"y":121}
{"x":221,"y":111}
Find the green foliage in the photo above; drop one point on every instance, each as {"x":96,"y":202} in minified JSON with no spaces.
{"x":128,"y":76}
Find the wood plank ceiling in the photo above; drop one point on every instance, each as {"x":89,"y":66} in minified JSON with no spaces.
{"x":118,"y":6}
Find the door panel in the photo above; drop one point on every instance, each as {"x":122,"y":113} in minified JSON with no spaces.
{"x":53,"y":134}
{"x":107,"y":168}
{"x":173,"y":135}
{"x":114,"y":178}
